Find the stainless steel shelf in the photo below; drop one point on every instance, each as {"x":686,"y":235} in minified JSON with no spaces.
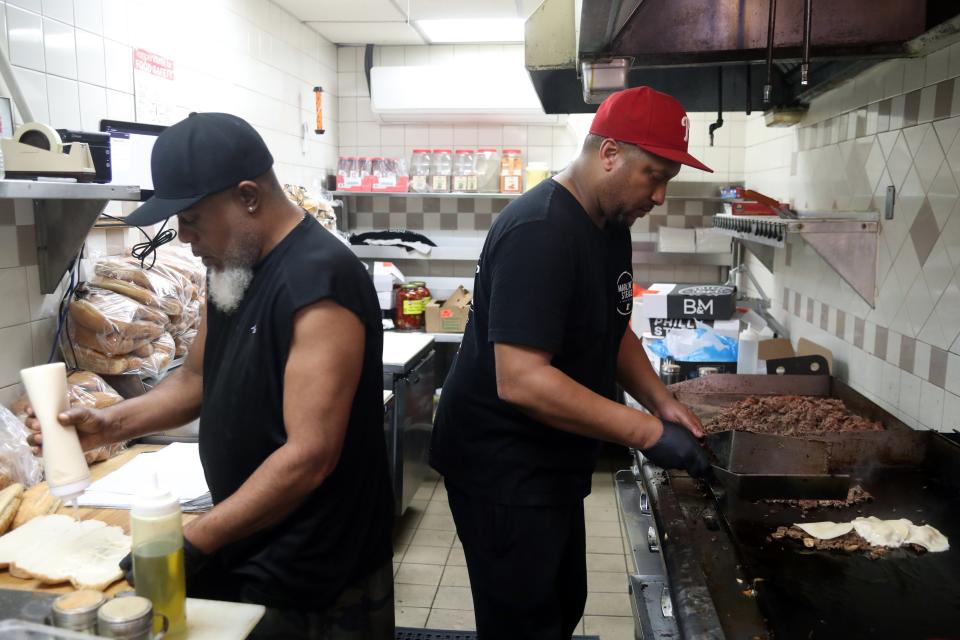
{"x":472,"y":254}
{"x":699,"y":259}
{"x":64,"y":213}
{"x":39,"y":190}
{"x":371,"y":252}
{"x":846,"y":241}
{"x":495,"y":195}
{"x":492,"y":194}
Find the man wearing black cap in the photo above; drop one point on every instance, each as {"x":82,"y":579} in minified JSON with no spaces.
{"x":286,"y":377}
{"x":531,"y":392}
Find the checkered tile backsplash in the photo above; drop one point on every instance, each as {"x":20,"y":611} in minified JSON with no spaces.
{"x":686,"y":208}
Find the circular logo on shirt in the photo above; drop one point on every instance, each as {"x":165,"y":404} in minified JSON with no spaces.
{"x":625,"y":293}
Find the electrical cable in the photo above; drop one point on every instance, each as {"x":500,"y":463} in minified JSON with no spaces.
{"x":142,"y":251}
{"x":147,"y":250}
{"x":64,"y":306}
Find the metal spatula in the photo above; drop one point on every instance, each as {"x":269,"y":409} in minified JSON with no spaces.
{"x":754,"y":466}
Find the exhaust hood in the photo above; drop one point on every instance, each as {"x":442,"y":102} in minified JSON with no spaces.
{"x":579,"y":51}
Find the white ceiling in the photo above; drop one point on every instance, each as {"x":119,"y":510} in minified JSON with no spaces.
{"x":387,"y":22}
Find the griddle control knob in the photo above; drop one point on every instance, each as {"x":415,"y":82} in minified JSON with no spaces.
{"x":653,"y":542}
{"x":644,"y":503}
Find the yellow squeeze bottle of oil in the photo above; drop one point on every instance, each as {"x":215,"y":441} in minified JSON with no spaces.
{"x":156,"y":530}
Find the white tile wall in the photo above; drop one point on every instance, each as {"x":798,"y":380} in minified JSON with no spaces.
{"x":74,"y":62}
{"x":60,"y":49}
{"x":91,"y":64}
{"x":25,"y":33}
{"x":918,"y":293}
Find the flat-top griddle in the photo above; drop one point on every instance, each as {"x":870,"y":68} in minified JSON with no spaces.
{"x":723,"y":567}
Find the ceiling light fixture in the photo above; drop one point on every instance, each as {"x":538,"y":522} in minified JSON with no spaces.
{"x":472,"y":30}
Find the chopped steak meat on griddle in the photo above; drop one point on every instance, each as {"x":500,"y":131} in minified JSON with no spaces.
{"x":848,"y":543}
{"x":856,"y":495}
{"x":789,"y":416}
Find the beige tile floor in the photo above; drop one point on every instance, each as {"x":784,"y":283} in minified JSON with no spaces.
{"x":430,"y":574}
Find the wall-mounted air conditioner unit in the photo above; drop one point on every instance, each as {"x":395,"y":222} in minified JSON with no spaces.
{"x":457,"y":93}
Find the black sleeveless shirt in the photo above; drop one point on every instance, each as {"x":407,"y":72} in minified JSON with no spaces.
{"x":342,"y":531}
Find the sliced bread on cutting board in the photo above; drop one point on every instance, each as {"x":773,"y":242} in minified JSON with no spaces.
{"x":36,"y":501}
{"x":56,"y":549}
{"x":9,"y":505}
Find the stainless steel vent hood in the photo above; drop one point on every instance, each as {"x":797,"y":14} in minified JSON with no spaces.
{"x":574,"y":50}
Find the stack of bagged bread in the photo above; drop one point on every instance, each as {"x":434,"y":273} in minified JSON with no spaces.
{"x":184,"y":327}
{"x":111,"y":334}
{"x":84,"y":389}
{"x":129,"y":319}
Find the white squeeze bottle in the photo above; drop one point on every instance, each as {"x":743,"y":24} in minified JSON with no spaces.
{"x":158,"y":572}
{"x":748,"y":345}
{"x":65,"y":467}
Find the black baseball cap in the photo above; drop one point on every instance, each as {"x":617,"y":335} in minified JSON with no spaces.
{"x":199,"y":156}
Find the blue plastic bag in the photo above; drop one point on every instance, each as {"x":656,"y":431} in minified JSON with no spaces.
{"x":702,"y":344}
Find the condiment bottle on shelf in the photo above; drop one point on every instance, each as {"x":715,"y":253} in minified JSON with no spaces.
{"x":748,"y":347}
{"x":158,"y":570}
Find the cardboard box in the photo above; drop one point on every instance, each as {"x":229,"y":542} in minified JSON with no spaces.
{"x":450,"y":316}
{"x":696,"y":301}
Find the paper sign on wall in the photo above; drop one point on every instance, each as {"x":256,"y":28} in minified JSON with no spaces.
{"x":153,"y":87}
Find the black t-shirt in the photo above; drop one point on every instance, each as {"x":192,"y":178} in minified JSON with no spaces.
{"x":550,"y":279}
{"x":343,"y":530}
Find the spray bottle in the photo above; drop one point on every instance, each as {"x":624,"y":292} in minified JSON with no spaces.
{"x":748,"y":346}
{"x":157,"y":530}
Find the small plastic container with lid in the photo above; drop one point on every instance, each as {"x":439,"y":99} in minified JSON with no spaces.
{"x":420,"y":165}
{"x":537,"y":172}
{"x":487,"y":166}
{"x":464,"y":172}
{"x":441,"y":171}
{"x":511,"y":171}
{"x":158,"y":568}
{"x":363,"y":167}
{"x":669,"y":372}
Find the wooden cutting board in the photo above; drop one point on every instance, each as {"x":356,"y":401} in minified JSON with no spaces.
{"x":206,"y":619}
{"x":115,"y":517}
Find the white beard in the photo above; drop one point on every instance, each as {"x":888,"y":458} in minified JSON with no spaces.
{"x":226,"y":287}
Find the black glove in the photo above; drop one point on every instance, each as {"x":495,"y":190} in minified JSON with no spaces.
{"x":677,"y":448}
{"x":193,"y":562}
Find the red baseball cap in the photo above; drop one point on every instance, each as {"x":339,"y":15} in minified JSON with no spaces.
{"x":653,"y":121}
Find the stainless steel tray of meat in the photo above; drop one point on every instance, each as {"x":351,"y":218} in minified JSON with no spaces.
{"x":728,"y":578}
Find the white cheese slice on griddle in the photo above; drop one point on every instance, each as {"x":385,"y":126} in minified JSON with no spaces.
{"x":928,"y":538}
{"x":883,"y":533}
{"x":826,"y":530}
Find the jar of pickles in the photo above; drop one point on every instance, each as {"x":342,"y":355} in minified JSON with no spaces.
{"x":409,"y":312}
{"x":425,"y":296}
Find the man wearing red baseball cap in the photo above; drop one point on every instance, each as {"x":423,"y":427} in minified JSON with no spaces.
{"x":532,"y":391}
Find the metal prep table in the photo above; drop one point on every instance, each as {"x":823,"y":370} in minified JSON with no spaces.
{"x":409,"y":372}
